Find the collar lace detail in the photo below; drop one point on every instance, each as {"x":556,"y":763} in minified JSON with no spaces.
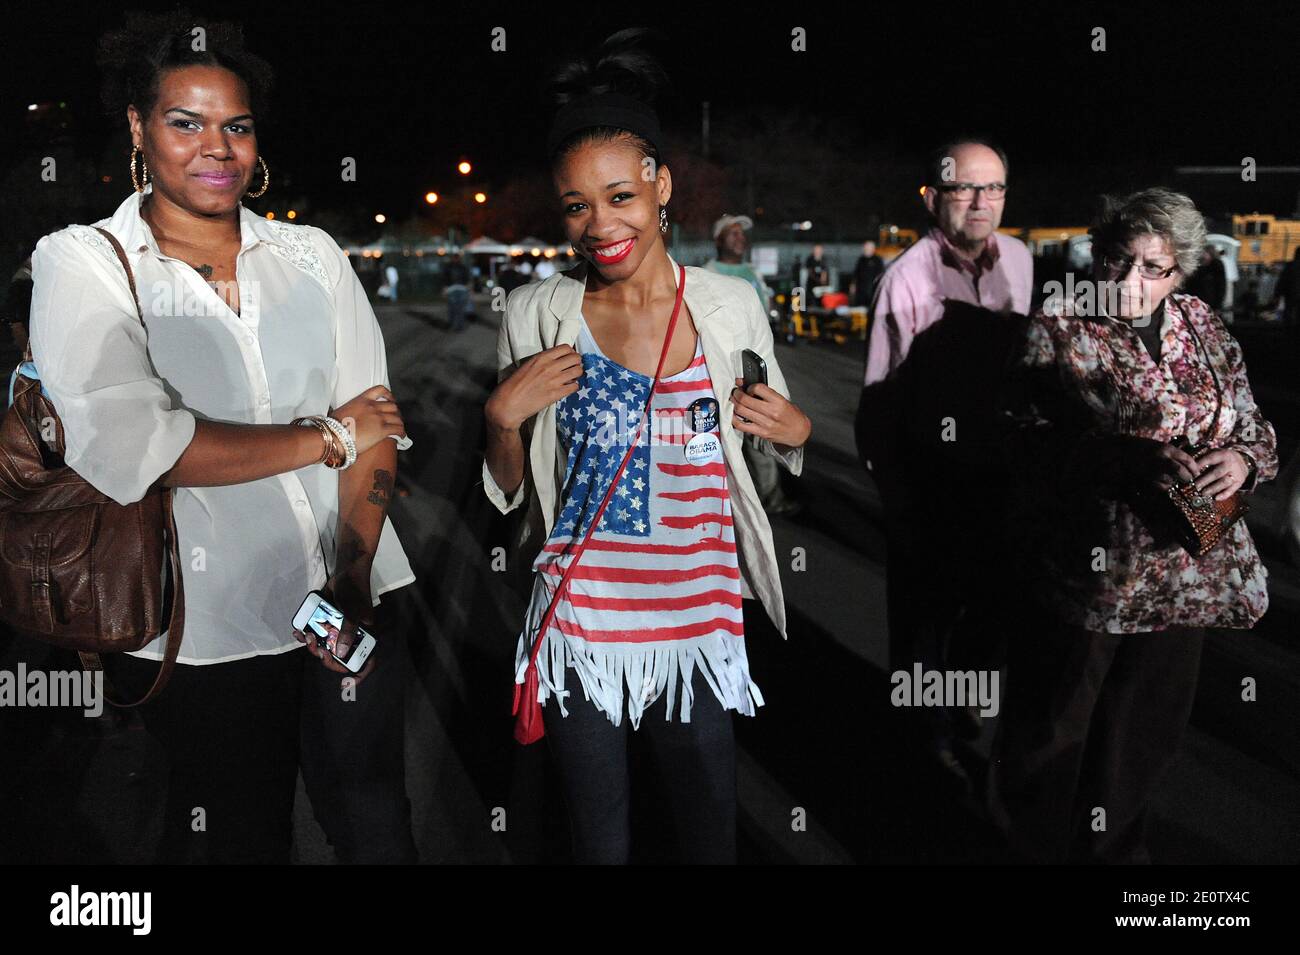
{"x":96,"y":241}
{"x":299,"y":251}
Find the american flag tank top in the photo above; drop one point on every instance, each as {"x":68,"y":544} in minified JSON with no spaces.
{"x":657,"y":592}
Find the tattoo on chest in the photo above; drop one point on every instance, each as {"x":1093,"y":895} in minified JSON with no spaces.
{"x":382,"y":491}
{"x":205,"y":270}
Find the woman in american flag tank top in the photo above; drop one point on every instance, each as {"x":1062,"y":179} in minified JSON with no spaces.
{"x":647,"y":638}
{"x":657,"y":594}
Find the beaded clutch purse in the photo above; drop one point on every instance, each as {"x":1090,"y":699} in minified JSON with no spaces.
{"x":1198,"y":519}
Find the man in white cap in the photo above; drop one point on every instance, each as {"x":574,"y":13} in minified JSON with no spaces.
{"x":733,"y":244}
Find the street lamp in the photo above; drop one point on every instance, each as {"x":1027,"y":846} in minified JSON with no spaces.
{"x":480,"y":197}
{"x":431,"y":197}
{"x":464,"y":168}
{"x":381,"y":218}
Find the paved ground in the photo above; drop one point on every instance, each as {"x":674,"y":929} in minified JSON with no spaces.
{"x":827,"y":743}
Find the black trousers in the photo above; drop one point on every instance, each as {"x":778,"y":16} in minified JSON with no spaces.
{"x":944,"y":612}
{"x":229,"y":732}
{"x":693,"y":766}
{"x":1090,"y":722}
{"x":235,"y":735}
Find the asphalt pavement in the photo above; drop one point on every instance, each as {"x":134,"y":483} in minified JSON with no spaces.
{"x":825,"y":771}
{"x":826,"y":748}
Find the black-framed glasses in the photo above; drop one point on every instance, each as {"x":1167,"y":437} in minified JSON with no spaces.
{"x":1117,"y":265}
{"x":967,"y":190}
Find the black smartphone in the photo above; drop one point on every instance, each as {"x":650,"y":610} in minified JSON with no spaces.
{"x":753,"y":368}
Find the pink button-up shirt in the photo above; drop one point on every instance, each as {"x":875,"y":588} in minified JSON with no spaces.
{"x":912,"y":292}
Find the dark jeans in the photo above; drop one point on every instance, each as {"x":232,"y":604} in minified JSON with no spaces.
{"x":457,"y":306}
{"x":236,"y":733}
{"x":1090,"y":720}
{"x":353,"y":751}
{"x":693,"y":765}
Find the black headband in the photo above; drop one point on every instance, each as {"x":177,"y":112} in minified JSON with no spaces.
{"x":604,"y":109}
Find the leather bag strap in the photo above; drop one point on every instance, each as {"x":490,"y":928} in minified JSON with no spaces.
{"x":1209,"y":363}
{"x":175,"y":623}
{"x":176,"y":620}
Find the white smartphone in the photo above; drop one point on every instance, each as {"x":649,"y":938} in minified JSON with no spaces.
{"x":321,"y":619}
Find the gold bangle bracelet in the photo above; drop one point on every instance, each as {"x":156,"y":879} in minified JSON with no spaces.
{"x":326,"y":434}
{"x":337,"y":452}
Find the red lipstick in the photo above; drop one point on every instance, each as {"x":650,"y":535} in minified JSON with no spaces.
{"x":612,"y":252}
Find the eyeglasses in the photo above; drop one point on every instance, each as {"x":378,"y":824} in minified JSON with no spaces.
{"x":967,"y":190}
{"x":1117,"y":265}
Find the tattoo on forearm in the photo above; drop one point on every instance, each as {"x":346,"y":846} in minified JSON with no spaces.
{"x":382,"y":491}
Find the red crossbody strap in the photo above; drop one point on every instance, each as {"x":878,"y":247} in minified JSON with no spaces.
{"x":528,"y":724}
{"x":618,"y":476}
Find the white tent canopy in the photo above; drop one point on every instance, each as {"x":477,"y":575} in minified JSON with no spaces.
{"x":484,"y":245}
{"x":528,"y":244}
{"x":384,"y":244}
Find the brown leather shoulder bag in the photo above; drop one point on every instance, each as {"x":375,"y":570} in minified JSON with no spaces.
{"x":77,"y":569}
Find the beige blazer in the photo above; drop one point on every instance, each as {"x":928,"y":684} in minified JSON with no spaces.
{"x":729,"y":319}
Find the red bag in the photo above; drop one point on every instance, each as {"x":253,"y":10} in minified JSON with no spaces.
{"x":527,"y":710}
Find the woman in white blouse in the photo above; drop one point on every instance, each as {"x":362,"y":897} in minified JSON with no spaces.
{"x":250,"y":324}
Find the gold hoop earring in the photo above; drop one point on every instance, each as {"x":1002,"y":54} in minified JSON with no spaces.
{"x":663,"y":219}
{"x":266,"y":180}
{"x":137,"y":152}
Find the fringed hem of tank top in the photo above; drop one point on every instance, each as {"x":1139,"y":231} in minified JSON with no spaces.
{"x":638,"y":673}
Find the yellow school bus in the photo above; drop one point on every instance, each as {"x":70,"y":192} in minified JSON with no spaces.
{"x":1265,"y":240}
{"x":892,"y":241}
{"x":1046,"y":241}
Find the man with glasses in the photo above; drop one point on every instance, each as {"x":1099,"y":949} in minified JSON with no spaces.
{"x":941,"y":334}
{"x":963,"y":258}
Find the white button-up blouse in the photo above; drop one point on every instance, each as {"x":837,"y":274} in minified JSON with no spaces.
{"x":305,"y":341}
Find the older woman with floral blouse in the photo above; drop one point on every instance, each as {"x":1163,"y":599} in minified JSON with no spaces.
{"x":1115,"y":387}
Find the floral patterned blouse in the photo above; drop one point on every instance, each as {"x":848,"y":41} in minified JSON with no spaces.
{"x":1099,"y":563}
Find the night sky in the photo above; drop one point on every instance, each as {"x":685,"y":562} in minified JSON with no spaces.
{"x":409,"y":91}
